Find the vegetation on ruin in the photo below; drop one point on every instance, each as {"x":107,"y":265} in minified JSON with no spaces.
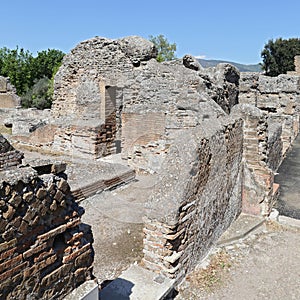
{"x":32,"y":76}
{"x":278,"y":56}
{"x":166,"y":50}
{"x":210,"y":278}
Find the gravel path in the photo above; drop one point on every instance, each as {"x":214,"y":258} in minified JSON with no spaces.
{"x":264,"y":266}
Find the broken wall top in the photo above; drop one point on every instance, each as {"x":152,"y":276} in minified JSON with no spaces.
{"x":143,"y":84}
{"x":267,"y":84}
{"x":8,"y":94}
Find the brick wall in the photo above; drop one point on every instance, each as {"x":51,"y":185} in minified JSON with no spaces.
{"x":144,"y":140}
{"x":190,"y":209}
{"x":9,"y":157}
{"x":45,"y":250}
{"x":258,"y":178}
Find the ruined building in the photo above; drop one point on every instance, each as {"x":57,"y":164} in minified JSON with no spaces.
{"x":45,"y":250}
{"x":213,"y":137}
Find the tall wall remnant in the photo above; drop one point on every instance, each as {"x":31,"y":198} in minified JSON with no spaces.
{"x":45,"y":250}
{"x":278,"y":97}
{"x":297,"y":66}
{"x":8,"y":97}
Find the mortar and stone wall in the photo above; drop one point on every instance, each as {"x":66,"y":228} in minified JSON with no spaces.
{"x":8,"y":96}
{"x":45,"y":250}
{"x":278,"y":97}
{"x":9,"y":157}
{"x":258,"y":177}
{"x":196,"y":199}
{"x":297,"y":66}
{"x":173,"y":120}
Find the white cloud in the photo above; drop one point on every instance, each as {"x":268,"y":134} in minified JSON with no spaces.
{"x":200,"y":56}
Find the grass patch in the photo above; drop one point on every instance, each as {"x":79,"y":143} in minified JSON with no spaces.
{"x":5,"y":130}
{"x":214,"y":275}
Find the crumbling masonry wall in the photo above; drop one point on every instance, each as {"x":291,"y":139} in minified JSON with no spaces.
{"x":9,"y":157}
{"x":214,"y":138}
{"x":278,"y":97}
{"x":197,"y":198}
{"x":258,"y":178}
{"x":173,"y":120}
{"x":8,"y":97}
{"x":45,"y":250}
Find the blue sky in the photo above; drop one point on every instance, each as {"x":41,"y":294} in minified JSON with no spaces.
{"x":215,"y":29}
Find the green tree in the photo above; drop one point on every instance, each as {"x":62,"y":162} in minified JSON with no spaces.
{"x":166,"y":51}
{"x":32,"y":76}
{"x":278,"y":56}
{"x":16,"y":64}
{"x":38,"y":95}
{"x":46,"y":63}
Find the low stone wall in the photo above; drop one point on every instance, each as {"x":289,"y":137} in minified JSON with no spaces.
{"x":9,"y":157}
{"x":45,"y":250}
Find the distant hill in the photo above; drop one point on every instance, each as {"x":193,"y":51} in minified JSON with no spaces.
{"x":205,"y":63}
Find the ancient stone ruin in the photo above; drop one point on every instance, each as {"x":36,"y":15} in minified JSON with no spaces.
{"x":213,"y":137}
{"x":8,"y":97}
{"x":45,"y":250}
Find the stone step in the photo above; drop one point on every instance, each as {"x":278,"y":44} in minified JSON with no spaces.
{"x":137,"y":283}
{"x":103,"y":184}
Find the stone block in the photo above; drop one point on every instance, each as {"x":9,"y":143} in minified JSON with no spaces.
{"x":3,"y":84}
{"x":7,"y":101}
{"x":281,"y":83}
{"x":248,"y":81}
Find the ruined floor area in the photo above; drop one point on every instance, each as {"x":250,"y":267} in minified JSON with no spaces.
{"x":115,"y":215}
{"x":116,"y":220}
{"x":262,"y":266}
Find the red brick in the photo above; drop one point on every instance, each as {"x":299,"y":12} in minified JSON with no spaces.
{"x":40,"y":266}
{"x":43,"y":256}
{"x":13,"y":271}
{"x":52,"y":233}
{"x":73,"y":255}
{"x":7,"y":253}
{"x":6,"y":245}
{"x":34,"y":250}
{"x":11,"y":263}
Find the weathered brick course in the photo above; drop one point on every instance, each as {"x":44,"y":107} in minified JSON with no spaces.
{"x":34,"y":238}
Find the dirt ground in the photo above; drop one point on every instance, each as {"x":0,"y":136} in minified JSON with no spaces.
{"x":116,"y":218}
{"x":262,"y":266}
